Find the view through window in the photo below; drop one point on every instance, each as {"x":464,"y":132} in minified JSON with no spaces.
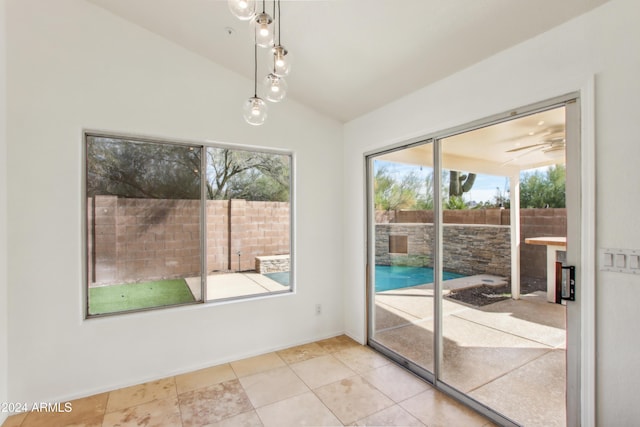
{"x":160,"y":232}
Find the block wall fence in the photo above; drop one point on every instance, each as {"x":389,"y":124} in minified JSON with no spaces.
{"x":134,"y":239}
{"x":475,"y":241}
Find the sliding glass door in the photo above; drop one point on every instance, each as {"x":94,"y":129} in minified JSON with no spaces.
{"x":402,"y":262}
{"x":444,"y":243}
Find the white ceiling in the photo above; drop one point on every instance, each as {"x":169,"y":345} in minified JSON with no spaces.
{"x":353,"y":56}
{"x":502,"y":149}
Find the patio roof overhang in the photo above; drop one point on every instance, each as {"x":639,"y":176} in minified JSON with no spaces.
{"x":538,"y":140}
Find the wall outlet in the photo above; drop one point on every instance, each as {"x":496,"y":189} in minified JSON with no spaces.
{"x":318,"y":309}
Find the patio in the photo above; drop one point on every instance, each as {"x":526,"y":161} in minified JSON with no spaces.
{"x":233,"y":285}
{"x":509,"y":355}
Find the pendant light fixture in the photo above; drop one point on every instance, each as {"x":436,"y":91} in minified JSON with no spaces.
{"x":263,"y":34}
{"x":255,"y":109}
{"x":281,"y":57}
{"x":262,"y":28}
{"x":275,"y":85}
{"x":243,"y":9}
{"x":276,"y":88}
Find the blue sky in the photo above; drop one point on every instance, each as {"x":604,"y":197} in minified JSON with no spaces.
{"x":484,"y":189}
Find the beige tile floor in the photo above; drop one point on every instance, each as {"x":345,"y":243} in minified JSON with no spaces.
{"x":333,"y":382}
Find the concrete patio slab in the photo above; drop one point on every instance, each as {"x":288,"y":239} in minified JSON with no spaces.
{"x":229,"y":285}
{"x":533,"y":394}
{"x":543,"y":323}
{"x":387,"y":317}
{"x":417,"y":303}
{"x":475,"y":354}
{"x":474,"y":281}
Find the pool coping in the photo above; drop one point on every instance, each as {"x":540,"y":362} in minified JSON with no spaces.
{"x":460,"y":283}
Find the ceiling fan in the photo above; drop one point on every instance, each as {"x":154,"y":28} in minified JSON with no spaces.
{"x":553,"y":140}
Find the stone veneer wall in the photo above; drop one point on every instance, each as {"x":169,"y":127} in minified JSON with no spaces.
{"x":132,"y":239}
{"x":477,"y":249}
{"x":272,"y":264}
{"x":533,"y":223}
{"x":467,"y":249}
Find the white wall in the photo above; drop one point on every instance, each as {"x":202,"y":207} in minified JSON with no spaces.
{"x":71,"y":66}
{"x":4,"y":319}
{"x":603,"y":43}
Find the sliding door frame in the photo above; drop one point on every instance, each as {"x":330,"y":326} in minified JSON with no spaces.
{"x":580,"y":383}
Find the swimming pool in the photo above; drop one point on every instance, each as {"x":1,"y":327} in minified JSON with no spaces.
{"x":281,"y":277}
{"x":393,"y":276}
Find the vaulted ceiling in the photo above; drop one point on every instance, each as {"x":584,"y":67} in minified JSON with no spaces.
{"x":353,"y":56}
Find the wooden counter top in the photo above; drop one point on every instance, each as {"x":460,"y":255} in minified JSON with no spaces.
{"x":548,"y":241}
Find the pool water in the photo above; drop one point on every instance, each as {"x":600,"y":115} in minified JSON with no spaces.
{"x":281,"y":277}
{"x":395,"y":277}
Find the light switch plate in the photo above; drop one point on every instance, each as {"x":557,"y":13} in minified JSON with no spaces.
{"x":619,"y":260}
{"x":607,"y":259}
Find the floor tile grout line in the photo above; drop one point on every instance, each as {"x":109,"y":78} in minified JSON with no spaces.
{"x":324,"y":404}
{"x":309,"y":389}
{"x":177,"y":395}
{"x":280,"y":400}
{"x":312,"y":390}
{"x":360,"y":374}
{"x":356,"y":374}
{"x":175,"y":384}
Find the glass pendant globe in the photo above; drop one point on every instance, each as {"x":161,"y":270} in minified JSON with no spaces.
{"x":243,"y":9}
{"x":255,"y":111}
{"x":276,"y":88}
{"x":262,"y":30}
{"x":281,"y":61}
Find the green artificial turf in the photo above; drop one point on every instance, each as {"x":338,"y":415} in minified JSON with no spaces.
{"x":134,"y":296}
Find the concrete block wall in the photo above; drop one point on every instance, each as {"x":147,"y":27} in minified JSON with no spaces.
{"x":140,"y":239}
{"x":217,"y":235}
{"x":157,"y":238}
{"x":257,"y":228}
{"x":539,"y":223}
{"x":103,"y":239}
{"x":464,"y":216}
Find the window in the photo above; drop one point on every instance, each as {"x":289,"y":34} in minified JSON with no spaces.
{"x":160,"y":232}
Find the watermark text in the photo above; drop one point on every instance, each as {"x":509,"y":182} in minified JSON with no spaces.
{"x":16,"y":407}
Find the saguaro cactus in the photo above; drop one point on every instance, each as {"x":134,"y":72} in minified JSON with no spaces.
{"x":460,"y":183}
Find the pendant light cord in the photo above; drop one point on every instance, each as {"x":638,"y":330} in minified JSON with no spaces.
{"x":274,"y":17}
{"x":279,"y":32}
{"x":255,"y":70}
